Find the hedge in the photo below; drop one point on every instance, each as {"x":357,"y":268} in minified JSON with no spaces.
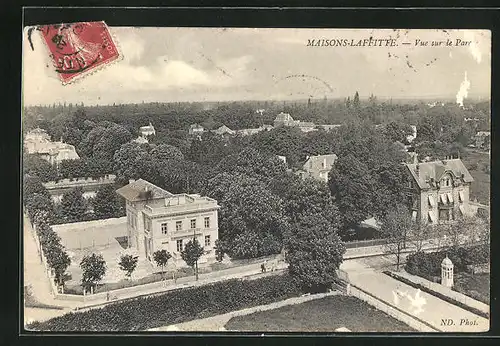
{"x":176,"y":306}
{"x":428,"y":265}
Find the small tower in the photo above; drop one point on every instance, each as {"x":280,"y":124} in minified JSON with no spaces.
{"x":447,"y":272}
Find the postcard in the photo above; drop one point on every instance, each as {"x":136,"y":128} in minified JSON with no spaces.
{"x":188,"y":179}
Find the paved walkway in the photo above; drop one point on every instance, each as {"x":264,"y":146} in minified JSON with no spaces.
{"x":441,"y":315}
{"x":36,"y":277}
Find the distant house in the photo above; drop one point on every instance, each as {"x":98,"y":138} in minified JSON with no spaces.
{"x":249,"y":132}
{"x":38,"y":142}
{"x":328,"y":127}
{"x":224,"y":130}
{"x":483,"y":139}
{"x":438,"y":191}
{"x":196,"y":129}
{"x":282,"y":158}
{"x":89,"y":186}
{"x":140,"y":140}
{"x":318,"y":167}
{"x":284,"y":119}
{"x":147,"y":130}
{"x":411,"y":138}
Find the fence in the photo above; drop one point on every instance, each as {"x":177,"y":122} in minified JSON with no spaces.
{"x":391,"y":310}
{"x":364,"y":243}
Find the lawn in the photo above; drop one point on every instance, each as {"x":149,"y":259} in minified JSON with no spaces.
{"x":476,"y":286}
{"x":476,"y":163}
{"x":320,"y":315}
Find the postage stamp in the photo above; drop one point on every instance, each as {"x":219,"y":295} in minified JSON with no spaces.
{"x":79,"y":48}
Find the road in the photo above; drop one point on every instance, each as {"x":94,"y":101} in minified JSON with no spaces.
{"x":442,"y":315}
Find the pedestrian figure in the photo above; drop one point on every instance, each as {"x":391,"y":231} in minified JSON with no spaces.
{"x":107,"y":296}
{"x":262,"y":268}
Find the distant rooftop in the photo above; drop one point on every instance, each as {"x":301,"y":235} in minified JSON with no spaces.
{"x":142,"y":190}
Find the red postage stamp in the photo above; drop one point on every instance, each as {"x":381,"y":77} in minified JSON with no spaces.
{"x":79,"y":48}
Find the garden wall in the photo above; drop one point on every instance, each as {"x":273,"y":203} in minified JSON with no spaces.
{"x":80,"y":235}
{"x":391,"y":310}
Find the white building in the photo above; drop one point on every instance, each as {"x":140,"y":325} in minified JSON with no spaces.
{"x":38,"y":142}
{"x":318,"y":167}
{"x":158,"y":219}
{"x":147,"y":130}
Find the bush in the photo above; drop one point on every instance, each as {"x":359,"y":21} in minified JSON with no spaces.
{"x":428,"y":265}
{"x":176,"y":306}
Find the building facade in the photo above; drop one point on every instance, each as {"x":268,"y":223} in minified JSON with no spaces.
{"x":438,"y":191}
{"x":196,"y":129}
{"x":318,"y":167}
{"x":158,"y":219}
{"x":148,"y":130}
{"x":89,"y":186}
{"x":38,"y":142}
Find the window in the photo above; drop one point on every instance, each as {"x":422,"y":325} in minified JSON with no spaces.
{"x":193,"y":223}
{"x":179,"y":245}
{"x":432,"y":203}
{"x":164,"y":228}
{"x":461,"y":196}
{"x":207,"y":240}
{"x":178,"y":225}
{"x":207,"y":222}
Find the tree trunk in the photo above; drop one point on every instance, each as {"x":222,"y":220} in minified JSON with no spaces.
{"x":196,"y":270}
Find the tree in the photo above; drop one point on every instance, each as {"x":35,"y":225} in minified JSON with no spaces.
{"x":128,"y":263}
{"x":395,"y":226}
{"x":314,"y":252}
{"x":34,"y":165}
{"x":93,"y":270}
{"x":418,"y":234}
{"x":40,"y":203}
{"x":165,"y":152}
{"x":251,"y":219}
{"x":74,"y":207}
{"x":161,"y":258}
{"x":60,"y":261}
{"x":191,"y":254}
{"x":106,"y":203}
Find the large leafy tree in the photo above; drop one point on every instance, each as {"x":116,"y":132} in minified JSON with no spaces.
{"x":314,"y":251}
{"x":34,"y":165}
{"x":106,"y":203}
{"x":165,"y":152}
{"x":251,"y":218}
{"x":284,"y":141}
{"x":253,"y":163}
{"x":73,"y":205}
{"x":368,"y":176}
{"x":132,"y":161}
{"x":93,"y":270}
{"x":191,"y":254}
{"x":40,"y":203}
{"x":59,"y":262}
{"x":396,"y":226}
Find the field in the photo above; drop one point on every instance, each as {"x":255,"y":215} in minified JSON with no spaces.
{"x":476,"y":163}
{"x":320,"y":315}
{"x":476,"y":286}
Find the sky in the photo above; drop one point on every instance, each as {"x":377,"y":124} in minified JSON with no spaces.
{"x":216,"y":64}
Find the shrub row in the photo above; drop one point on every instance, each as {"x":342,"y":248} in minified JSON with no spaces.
{"x":55,"y":253}
{"x":176,"y":306}
{"x":428,"y":265}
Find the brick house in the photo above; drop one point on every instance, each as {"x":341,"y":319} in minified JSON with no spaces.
{"x":158,"y":219}
{"x":438,"y":191}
